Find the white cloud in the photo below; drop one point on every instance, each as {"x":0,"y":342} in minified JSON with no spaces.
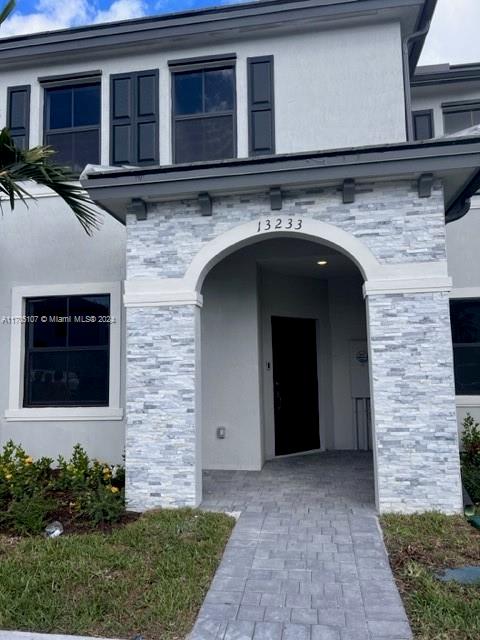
{"x":51,"y":14}
{"x":454,"y":35}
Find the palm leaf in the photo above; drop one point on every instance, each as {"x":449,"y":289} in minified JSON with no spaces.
{"x":7,"y":10}
{"x":18,"y":166}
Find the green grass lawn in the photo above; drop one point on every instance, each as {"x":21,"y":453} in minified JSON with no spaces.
{"x":418,"y":547}
{"x":147,"y":578}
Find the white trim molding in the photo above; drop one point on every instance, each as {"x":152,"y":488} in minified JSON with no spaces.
{"x":468,"y":401}
{"x":161,"y":292}
{"x":408,"y":285}
{"x":16,"y":411}
{"x":465,"y":292}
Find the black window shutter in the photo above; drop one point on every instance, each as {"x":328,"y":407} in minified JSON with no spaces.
{"x":18,"y":114}
{"x":134,"y":118}
{"x":261,"y":117}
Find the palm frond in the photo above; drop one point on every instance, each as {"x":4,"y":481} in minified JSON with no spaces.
{"x":7,"y":10}
{"x":18,"y":166}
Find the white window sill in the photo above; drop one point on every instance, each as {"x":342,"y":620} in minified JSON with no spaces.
{"x":468,"y":401}
{"x":53,"y":414}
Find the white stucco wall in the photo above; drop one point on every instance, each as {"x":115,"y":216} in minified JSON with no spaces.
{"x":45,"y":245}
{"x":333,"y":87}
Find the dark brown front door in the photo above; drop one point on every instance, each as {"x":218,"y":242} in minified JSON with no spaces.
{"x":295,"y":385}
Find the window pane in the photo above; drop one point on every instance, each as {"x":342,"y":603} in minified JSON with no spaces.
{"x":86,"y":149}
{"x":47,"y":379}
{"x":204,"y":139}
{"x":457,"y":121}
{"x":188,"y":93}
{"x":63,"y":145}
{"x":467,"y":370}
{"x":87,"y":379}
{"x":60,"y":108}
{"x":423,"y":126}
{"x":53,"y":332}
{"x":84,"y":333}
{"x":219,"y":90}
{"x":465,"y":318}
{"x":86,"y":105}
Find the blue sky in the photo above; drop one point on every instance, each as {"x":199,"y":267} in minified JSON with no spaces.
{"x":453,"y":36}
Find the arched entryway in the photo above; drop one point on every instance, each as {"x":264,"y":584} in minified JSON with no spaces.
{"x":284,"y":355}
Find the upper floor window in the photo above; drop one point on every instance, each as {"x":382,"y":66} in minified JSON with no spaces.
{"x":460,"y":116}
{"x":465,"y":318}
{"x":72,"y":124}
{"x":423,"y":125}
{"x":204,"y":114}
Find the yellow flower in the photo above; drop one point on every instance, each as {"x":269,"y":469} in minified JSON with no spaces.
{"x":114,"y":489}
{"x":8,"y":476}
{"x":28,"y":460}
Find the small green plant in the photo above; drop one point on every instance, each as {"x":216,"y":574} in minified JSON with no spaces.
{"x":105,"y":504}
{"x":28,"y":514}
{"x":470,"y":458}
{"x":78,"y":489}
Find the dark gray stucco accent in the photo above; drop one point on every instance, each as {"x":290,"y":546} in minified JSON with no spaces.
{"x":70,"y":77}
{"x":446,"y":74}
{"x":199,"y":24}
{"x":201,"y":60}
{"x":22,"y":129}
{"x":424,"y":112}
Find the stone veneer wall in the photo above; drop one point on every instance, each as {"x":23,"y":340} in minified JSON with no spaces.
{"x":161,"y":443}
{"x":411,"y":352}
{"x":414,"y":403}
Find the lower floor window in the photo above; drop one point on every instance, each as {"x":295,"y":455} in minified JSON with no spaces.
{"x":465,"y":317}
{"x":67,"y":345}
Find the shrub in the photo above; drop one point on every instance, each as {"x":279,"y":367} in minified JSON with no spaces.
{"x":470,"y":457}
{"x":105,"y":504}
{"x":28,"y":514}
{"x":31,"y":491}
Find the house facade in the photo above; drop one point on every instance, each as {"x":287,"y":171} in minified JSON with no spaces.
{"x":287,"y":249}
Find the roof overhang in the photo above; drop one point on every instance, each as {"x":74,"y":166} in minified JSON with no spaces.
{"x":456,"y":161}
{"x":440,"y":74}
{"x":228,"y":22}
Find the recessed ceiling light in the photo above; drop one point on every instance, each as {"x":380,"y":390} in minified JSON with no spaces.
{"x":322,"y":263}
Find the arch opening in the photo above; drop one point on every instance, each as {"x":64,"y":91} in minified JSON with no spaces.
{"x":284,"y":353}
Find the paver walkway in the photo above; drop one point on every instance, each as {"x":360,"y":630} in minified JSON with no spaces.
{"x":306,"y":560}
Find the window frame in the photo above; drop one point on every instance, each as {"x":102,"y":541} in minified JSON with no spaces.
{"x":16,"y":411}
{"x":70,"y":82}
{"x":215,"y":62}
{"x":465,"y":293}
{"x":459,"y":107}
{"x":420,"y":113}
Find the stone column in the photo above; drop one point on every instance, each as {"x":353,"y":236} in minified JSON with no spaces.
{"x":163,"y":460}
{"x":415,"y":425}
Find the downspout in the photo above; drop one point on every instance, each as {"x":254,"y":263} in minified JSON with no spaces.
{"x":406,"y":78}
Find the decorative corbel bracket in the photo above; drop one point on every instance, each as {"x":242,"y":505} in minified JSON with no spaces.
{"x":348,"y":191}
{"x":425,"y":184}
{"x":138,"y":207}
{"x":205,"y":204}
{"x":276,"y":199}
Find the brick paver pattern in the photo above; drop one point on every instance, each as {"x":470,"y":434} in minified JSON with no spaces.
{"x":306,"y":559}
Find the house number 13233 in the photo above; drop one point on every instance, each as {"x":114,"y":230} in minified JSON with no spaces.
{"x":277,"y":224}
